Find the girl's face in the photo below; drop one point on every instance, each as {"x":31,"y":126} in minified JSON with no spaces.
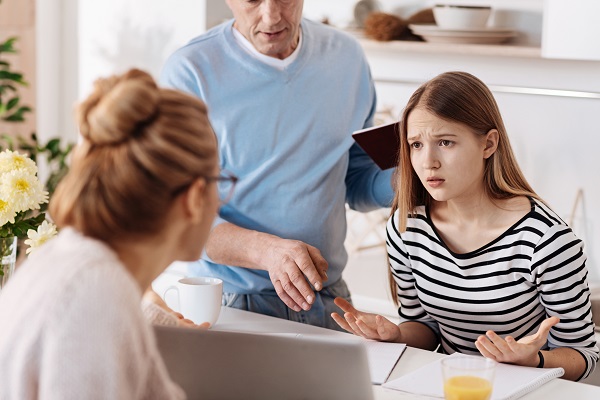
{"x":448,"y":157}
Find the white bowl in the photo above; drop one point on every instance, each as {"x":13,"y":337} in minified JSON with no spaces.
{"x":461,"y":17}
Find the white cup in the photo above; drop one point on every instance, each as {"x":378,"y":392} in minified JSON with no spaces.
{"x":199,"y":298}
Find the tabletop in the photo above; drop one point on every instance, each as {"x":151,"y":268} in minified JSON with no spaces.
{"x":234,"y":320}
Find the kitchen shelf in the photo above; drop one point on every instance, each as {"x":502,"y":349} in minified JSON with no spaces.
{"x":492,"y":50}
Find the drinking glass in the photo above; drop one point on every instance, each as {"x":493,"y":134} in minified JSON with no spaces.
{"x":468,"y":377}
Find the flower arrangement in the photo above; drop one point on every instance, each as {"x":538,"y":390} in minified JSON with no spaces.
{"x":21,"y":195}
{"x":23,"y":199}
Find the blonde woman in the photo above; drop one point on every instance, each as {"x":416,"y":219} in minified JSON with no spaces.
{"x":480,"y":264}
{"x":141,"y":194}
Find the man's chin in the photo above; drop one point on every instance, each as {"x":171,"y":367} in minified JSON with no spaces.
{"x":270,"y":51}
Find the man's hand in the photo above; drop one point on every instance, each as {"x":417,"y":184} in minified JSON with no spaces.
{"x":292,"y":264}
{"x":367,"y":325}
{"x":508,"y":350}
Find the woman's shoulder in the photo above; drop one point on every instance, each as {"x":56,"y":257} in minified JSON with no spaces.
{"x":419,"y":213}
{"x":549,"y":230}
{"x":78,"y":268}
{"x":546,"y":215}
{"x":417,"y":218}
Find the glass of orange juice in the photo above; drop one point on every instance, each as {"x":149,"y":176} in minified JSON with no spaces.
{"x":468,"y":377}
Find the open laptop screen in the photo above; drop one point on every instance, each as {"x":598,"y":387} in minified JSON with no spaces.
{"x":233,"y":365}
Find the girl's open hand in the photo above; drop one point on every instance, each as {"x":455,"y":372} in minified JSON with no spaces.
{"x":367,"y":325}
{"x":521,"y":352}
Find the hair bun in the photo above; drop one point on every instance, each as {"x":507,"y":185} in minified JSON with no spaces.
{"x":118,"y":107}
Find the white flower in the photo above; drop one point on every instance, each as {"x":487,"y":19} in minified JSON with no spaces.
{"x":7,"y":212}
{"x":23,"y":190}
{"x":45,"y":232}
{"x":12,"y":161}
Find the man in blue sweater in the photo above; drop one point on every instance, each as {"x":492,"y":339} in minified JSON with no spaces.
{"x":284,"y":95}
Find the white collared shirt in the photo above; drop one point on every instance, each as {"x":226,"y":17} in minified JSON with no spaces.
{"x":272,"y":61}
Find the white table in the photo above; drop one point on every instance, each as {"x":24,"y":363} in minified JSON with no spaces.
{"x":243,"y":321}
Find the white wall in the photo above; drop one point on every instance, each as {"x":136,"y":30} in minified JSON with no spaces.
{"x":57,"y":72}
{"x":115,"y":35}
{"x":81,"y":40}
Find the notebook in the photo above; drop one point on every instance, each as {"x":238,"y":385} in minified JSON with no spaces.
{"x":235,"y":365}
{"x":381,"y":143}
{"x":382,"y":356}
{"x":510,"y":382}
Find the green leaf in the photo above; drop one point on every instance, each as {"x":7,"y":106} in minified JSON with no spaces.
{"x":7,"y":46}
{"x":54,"y":146}
{"x":13,"y":76}
{"x":5,"y":88}
{"x":12,"y":103}
{"x":17,"y":116}
{"x":9,"y":140}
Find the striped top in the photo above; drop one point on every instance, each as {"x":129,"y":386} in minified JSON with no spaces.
{"x":534,"y":270}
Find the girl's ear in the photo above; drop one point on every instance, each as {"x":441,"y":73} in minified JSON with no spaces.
{"x":193,"y":200}
{"x":491,"y":143}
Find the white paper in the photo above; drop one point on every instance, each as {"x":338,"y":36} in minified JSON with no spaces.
{"x":383,"y":357}
{"x":510,"y":382}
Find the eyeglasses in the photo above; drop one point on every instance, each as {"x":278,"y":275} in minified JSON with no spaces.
{"x":226,"y":182}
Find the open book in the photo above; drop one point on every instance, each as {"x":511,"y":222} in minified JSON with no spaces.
{"x":381,"y":143}
{"x":382,"y":356}
{"x":511,"y":381}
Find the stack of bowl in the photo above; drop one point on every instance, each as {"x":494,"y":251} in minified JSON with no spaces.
{"x":461,"y":17}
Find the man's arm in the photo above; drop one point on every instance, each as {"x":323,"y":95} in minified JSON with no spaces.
{"x":368,"y":187}
{"x":289,"y":262}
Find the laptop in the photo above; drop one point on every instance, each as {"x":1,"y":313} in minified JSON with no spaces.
{"x":211,"y":364}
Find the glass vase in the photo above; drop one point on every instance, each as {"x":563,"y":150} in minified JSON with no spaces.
{"x":8,"y":253}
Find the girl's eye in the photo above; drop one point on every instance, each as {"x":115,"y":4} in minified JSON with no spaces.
{"x":445,"y":143}
{"x":415,"y":145}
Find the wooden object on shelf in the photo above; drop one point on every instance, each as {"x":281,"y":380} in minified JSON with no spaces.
{"x":384,"y":27}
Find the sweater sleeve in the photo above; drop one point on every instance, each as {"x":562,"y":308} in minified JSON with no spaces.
{"x":559,"y":270}
{"x":410,"y":307}
{"x":368,"y":187}
{"x":98,"y":345}
{"x":157,"y":315}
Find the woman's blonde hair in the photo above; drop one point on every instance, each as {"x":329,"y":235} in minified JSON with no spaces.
{"x":141,"y":145}
{"x":463,"y":98}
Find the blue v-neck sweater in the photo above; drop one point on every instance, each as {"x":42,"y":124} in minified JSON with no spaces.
{"x":287,"y":136}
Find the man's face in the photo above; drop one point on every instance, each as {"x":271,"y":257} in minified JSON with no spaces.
{"x":272,"y":26}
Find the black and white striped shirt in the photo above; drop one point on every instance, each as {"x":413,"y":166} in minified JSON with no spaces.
{"x":534,"y":270}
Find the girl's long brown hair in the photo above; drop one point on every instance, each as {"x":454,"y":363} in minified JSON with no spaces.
{"x":463,"y":98}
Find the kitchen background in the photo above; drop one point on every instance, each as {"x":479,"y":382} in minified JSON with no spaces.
{"x":548,"y":96}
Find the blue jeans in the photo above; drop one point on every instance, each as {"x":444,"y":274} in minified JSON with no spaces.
{"x":270,"y":304}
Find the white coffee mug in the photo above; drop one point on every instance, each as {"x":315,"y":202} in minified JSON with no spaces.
{"x":199,"y":298}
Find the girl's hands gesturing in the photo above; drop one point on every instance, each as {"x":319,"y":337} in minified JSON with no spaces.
{"x":521,"y":352}
{"x":367,"y":325}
